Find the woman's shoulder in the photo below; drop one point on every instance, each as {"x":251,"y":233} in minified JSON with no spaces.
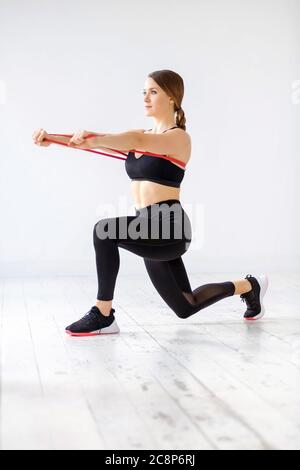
{"x":183,"y":135}
{"x":139,"y":130}
{"x":174,"y":129}
{"x":184,"y":144}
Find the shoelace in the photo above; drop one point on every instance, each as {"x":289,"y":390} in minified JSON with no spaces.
{"x":244,"y":297}
{"x":92,"y":314}
{"x":250,"y":301}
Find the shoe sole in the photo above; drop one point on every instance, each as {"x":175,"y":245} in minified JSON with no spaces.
{"x":263,"y":281}
{"x":109,"y":330}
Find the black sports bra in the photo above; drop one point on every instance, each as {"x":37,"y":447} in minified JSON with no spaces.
{"x":156,"y":169}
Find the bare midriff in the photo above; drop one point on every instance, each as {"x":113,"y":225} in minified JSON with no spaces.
{"x":147,"y":192}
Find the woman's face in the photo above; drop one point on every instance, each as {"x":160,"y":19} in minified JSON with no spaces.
{"x":156,"y":101}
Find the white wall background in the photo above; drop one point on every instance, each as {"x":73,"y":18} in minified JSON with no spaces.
{"x":68,"y":65}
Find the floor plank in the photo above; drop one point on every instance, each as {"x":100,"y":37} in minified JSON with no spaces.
{"x":212,"y":381}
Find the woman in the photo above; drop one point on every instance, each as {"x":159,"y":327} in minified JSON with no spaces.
{"x":156,"y":191}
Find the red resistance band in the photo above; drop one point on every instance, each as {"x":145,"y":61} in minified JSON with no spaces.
{"x":166,"y":157}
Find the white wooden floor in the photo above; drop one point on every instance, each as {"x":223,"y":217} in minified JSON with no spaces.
{"x":212,"y":381}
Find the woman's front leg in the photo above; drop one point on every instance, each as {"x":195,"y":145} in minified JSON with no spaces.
{"x":107,"y":265}
{"x":106,"y":236}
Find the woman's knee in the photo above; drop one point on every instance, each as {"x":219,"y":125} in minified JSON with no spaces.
{"x":184,"y":312}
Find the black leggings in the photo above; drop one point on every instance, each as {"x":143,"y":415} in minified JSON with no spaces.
{"x":164,"y":235}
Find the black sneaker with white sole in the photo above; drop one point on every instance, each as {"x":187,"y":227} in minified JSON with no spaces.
{"x":253,"y":298}
{"x":94,"y":323}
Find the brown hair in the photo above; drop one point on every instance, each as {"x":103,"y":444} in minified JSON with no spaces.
{"x":173,"y":85}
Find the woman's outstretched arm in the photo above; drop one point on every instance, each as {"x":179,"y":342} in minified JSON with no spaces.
{"x":66,"y":140}
{"x":128,"y":140}
{"x":123,"y":141}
